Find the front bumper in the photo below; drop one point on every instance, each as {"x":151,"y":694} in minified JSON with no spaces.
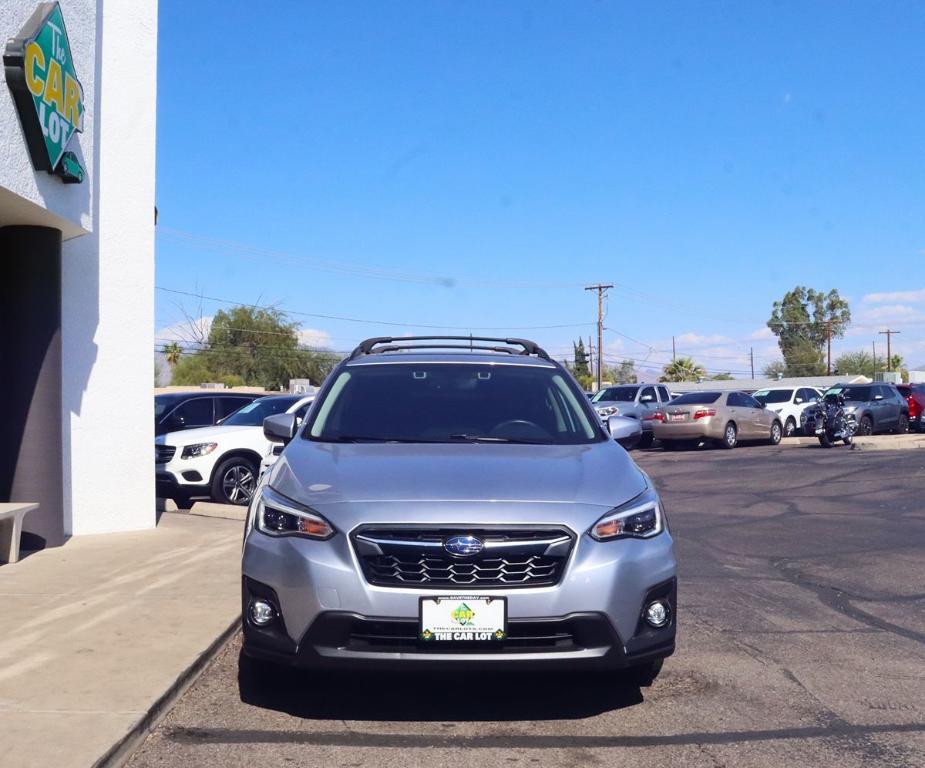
{"x":330,"y":616}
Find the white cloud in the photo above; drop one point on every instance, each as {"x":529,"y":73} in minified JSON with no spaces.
{"x":312,"y":337}
{"x":187,"y":333}
{"x":761,"y":334}
{"x":881,"y":298}
{"x":696,"y":340}
{"x":890,"y":313}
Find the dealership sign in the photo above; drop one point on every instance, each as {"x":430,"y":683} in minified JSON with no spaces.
{"x":41,"y":76}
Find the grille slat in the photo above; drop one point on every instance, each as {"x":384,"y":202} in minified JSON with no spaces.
{"x":163,"y":453}
{"x":510,"y":558}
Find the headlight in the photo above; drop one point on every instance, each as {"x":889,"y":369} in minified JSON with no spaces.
{"x":608,"y":410}
{"x":278,"y":516}
{"x":640,"y":518}
{"x":197,"y":450}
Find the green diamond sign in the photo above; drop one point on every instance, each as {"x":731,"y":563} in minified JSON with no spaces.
{"x":41,"y":76}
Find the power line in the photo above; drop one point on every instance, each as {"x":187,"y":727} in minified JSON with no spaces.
{"x":376,"y":322}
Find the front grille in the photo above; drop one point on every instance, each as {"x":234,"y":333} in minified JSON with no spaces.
{"x":416,"y":557}
{"x":164,"y":453}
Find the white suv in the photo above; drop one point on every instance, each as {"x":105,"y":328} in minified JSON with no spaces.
{"x":221,"y":462}
{"x":789,"y":402}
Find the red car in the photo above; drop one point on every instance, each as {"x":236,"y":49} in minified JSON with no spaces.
{"x":915,"y":396}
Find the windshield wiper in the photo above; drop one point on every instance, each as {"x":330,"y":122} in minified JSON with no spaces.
{"x":464,"y":437}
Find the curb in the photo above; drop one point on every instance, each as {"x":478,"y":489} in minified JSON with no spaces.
{"x":119,"y":753}
{"x":224,"y":511}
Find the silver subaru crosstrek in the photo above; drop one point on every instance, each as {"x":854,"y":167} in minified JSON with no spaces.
{"x":455,"y":501}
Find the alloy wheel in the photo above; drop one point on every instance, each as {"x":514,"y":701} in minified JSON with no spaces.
{"x":238,"y":484}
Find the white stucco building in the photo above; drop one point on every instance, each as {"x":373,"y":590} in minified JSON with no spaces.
{"x":77,"y":286}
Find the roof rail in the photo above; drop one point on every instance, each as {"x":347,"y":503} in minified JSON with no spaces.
{"x":394,"y":344}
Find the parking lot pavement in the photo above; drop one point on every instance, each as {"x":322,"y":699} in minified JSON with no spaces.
{"x":802,"y":642}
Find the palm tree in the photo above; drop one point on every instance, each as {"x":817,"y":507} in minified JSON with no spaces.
{"x":683,"y":369}
{"x":172,"y":352}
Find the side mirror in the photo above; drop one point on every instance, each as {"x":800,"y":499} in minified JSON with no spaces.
{"x":280,"y":428}
{"x":627,"y":432}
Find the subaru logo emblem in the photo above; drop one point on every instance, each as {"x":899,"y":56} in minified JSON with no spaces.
{"x":460,"y":546}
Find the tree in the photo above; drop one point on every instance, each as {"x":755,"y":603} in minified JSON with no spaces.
{"x":776,"y":369}
{"x":157,"y":372}
{"x":802,"y":322}
{"x":721,"y":377}
{"x":173,"y":352}
{"x":255,"y":346}
{"x":862,"y":363}
{"x":624,"y":373}
{"x":580,"y":367}
{"x":683,"y":369}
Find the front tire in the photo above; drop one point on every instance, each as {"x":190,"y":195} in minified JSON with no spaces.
{"x":790,"y":428}
{"x":647,"y":439}
{"x":865,"y":426}
{"x":824,"y":440}
{"x":776,"y":433}
{"x":730,"y":437}
{"x":234,"y":482}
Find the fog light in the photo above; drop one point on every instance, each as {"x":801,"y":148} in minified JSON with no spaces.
{"x":262,"y":613}
{"x":657,"y":613}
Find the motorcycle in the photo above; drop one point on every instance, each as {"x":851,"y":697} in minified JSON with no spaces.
{"x":829,"y":422}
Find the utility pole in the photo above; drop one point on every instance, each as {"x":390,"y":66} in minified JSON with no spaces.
{"x":601,"y":289}
{"x":591,"y":358}
{"x":751,"y":356}
{"x":873,"y":346}
{"x":828,"y":335}
{"x":889,"y":350}
{"x":674,"y":352}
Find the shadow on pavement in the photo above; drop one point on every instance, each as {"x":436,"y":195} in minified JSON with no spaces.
{"x":475,"y":695}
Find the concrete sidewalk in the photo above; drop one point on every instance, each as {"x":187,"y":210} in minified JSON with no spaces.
{"x":906,"y":442}
{"x":94,"y":633}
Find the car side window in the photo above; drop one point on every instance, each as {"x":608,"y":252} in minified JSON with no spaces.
{"x":300,"y":412}
{"x":734,"y":400}
{"x":665,"y":395}
{"x":192,"y":413}
{"x":648,"y":392}
{"x":225,"y":406}
{"x":750,"y":402}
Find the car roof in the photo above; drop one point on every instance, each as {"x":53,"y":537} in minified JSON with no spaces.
{"x":203,"y":393}
{"x":465,"y":358}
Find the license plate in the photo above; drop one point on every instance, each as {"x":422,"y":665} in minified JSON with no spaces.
{"x":677,"y":416}
{"x":463,"y":619}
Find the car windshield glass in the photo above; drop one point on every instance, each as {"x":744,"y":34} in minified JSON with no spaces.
{"x":161,"y":404}
{"x":856,"y":394}
{"x":696,"y":398}
{"x":253,"y":414}
{"x":453,"y":403}
{"x":773,"y":396}
{"x":616,"y":395}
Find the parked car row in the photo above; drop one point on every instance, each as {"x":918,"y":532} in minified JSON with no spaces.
{"x":222,"y":461}
{"x":728,"y":418}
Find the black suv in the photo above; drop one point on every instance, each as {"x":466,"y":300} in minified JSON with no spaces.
{"x":185,"y":410}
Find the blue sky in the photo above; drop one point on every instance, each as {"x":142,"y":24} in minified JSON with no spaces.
{"x":475,"y":164}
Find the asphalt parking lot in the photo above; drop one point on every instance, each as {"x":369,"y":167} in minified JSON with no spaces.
{"x":802,"y":621}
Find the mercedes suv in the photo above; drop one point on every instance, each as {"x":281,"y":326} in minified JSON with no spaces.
{"x":454,"y":502}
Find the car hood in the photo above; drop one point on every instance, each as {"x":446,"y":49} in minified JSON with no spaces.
{"x":322,"y":474}
{"x":202,"y":434}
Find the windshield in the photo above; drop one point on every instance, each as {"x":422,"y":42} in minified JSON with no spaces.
{"x":253,"y":414}
{"x":616,"y":395}
{"x":454,"y":402}
{"x":773,"y":395}
{"x":856,"y":394}
{"x":161,"y":404}
{"x":696,"y":398}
